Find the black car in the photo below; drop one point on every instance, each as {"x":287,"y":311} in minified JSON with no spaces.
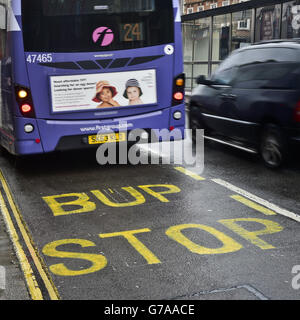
{"x":252,"y":101}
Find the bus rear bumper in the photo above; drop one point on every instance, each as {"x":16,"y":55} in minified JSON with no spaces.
{"x":26,"y":143}
{"x":27,"y":147}
{"x":55,"y":135}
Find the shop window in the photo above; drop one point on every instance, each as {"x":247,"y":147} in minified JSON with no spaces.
{"x":268,"y":23}
{"x":241,"y":29}
{"x":201,"y":39}
{"x":221,"y":37}
{"x":2,"y":30}
{"x":290,"y":20}
{"x":187,"y":38}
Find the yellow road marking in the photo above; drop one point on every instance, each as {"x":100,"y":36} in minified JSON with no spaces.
{"x":189,"y":173}
{"x":253,"y":205}
{"x":139,"y":198}
{"x":137,"y":244}
{"x":252,"y":236}
{"x":32,"y":285}
{"x":27,"y":272}
{"x":98,"y":261}
{"x":228,"y":244}
{"x":82,"y":201}
{"x":159,"y":194}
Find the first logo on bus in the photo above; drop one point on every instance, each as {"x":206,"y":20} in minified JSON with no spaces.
{"x":103,"y":35}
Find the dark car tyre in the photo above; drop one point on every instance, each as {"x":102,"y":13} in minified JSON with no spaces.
{"x":194,"y":124}
{"x":273,"y":148}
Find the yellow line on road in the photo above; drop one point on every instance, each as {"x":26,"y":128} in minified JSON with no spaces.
{"x":189,"y":173}
{"x":32,"y":285}
{"x":253,"y":205}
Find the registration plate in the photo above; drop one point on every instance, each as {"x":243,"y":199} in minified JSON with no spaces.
{"x":107,"y":138}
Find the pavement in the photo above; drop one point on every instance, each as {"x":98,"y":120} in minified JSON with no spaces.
{"x":12,"y":282}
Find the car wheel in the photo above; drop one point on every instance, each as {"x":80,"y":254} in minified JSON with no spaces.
{"x":272,"y":150}
{"x":195,"y":123}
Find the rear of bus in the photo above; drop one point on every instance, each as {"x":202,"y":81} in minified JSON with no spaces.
{"x":68,"y":53}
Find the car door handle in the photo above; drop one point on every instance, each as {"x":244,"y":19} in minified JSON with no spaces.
{"x":228,"y":96}
{"x":224,"y":95}
{"x":231,"y":96}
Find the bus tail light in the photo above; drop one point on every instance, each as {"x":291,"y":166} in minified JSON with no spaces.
{"x":178,"y":96}
{"x":178,"y":89}
{"x":26,"y":108}
{"x":24,"y":100}
{"x":297,"y":112}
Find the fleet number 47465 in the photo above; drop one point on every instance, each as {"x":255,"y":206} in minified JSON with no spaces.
{"x":43,"y":57}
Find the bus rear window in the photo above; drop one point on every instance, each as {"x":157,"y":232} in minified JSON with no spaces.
{"x":95,"y":25}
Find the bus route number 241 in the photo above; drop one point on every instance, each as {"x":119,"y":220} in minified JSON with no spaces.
{"x":43,"y":57}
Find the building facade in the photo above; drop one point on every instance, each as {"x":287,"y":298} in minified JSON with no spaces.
{"x":192,"y":6}
{"x":209,"y":36}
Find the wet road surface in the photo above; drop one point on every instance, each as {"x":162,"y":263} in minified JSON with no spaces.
{"x":156,"y":231}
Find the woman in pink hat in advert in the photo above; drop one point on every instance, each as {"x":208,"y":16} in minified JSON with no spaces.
{"x":104,"y":94}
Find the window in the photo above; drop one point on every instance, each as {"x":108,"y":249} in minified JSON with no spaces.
{"x":268,"y":23}
{"x":201,"y":37}
{"x":290,"y":20}
{"x":187,"y":41}
{"x":268,"y":75}
{"x":241,"y":29}
{"x":257,"y":56}
{"x":200,"y":8}
{"x":213,"y":5}
{"x":72,"y":25}
{"x":190,"y":10}
{"x":221,"y":37}
{"x":225,"y":3}
{"x":270,"y":54}
{"x":3,"y":15}
{"x":234,"y":59}
{"x":244,"y":24}
{"x":224,"y":77}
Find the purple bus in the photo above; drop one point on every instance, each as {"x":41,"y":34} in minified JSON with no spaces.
{"x":71,"y":70}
